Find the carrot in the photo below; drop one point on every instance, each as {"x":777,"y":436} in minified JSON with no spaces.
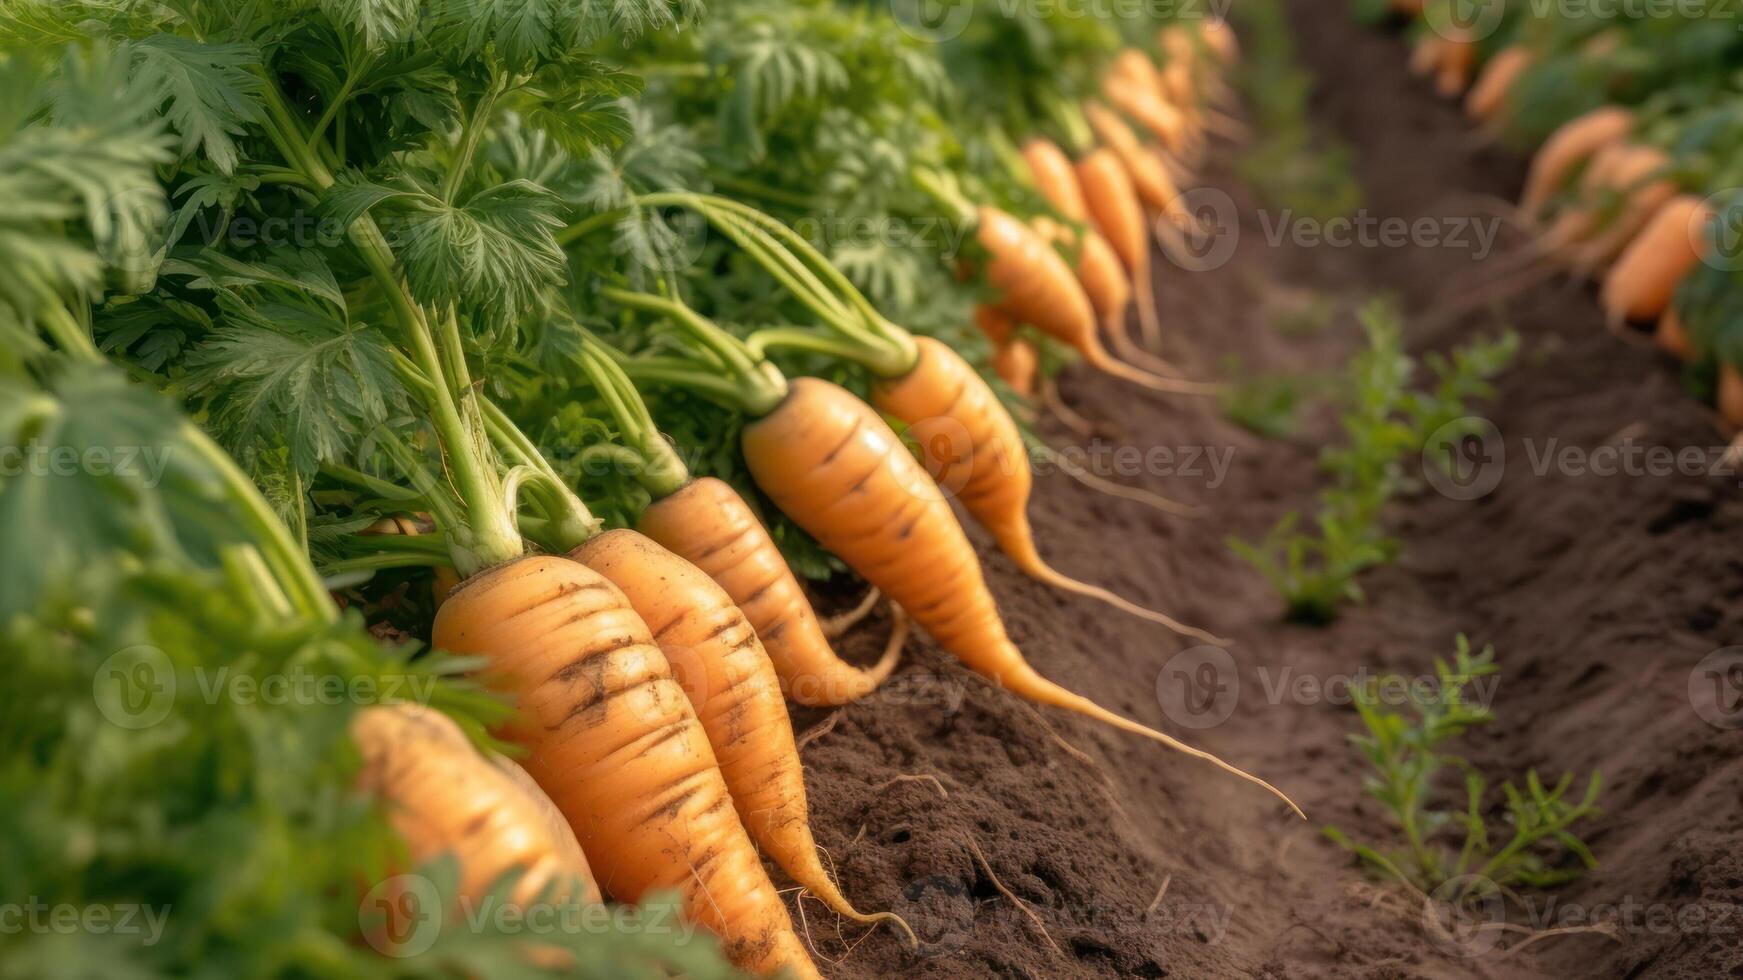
{"x":1647,"y":191}
{"x":1055,"y":178}
{"x":1220,"y":38}
{"x":737,"y":696}
{"x":708,"y":524}
{"x":1104,"y":281}
{"x":1489,"y":95}
{"x":1458,"y":58}
{"x":1017,"y":363}
{"x":1426,"y":54}
{"x":1730,"y":396}
{"x":1574,"y":143}
{"x":831,"y":464}
{"x":615,"y":742}
{"x":994,"y":323}
{"x":1113,"y":205}
{"x":442,"y":796}
{"x":971,"y":447}
{"x":1673,"y":337}
{"x":1613,"y":168}
{"x":1149,"y":177}
{"x":1037,"y":287}
{"x":1643,"y":280}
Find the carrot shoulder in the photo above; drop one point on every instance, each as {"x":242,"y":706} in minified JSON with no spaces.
{"x":614,"y":741}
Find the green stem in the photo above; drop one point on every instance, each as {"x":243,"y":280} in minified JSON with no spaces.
{"x":471,"y":132}
{"x":378,"y":562}
{"x":660,"y":469}
{"x":737,"y":358}
{"x":755,"y":402}
{"x":752,"y":188}
{"x":800,"y":339}
{"x":588,"y":225}
{"x":340,"y":98}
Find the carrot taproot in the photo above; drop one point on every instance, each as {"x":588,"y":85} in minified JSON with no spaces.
{"x":1639,"y":287}
{"x":1037,"y":287}
{"x":1155,"y":188}
{"x":1672,"y":336}
{"x":830,"y":463}
{"x":442,"y":796}
{"x":1118,"y":215}
{"x":1426,"y":53}
{"x":1646,"y":187}
{"x":708,"y":524}
{"x":614,"y":741}
{"x":1488,"y":95}
{"x":1017,"y":363}
{"x":732,"y":684}
{"x":1572,"y":144}
{"x":971,"y":447}
{"x":1055,"y":178}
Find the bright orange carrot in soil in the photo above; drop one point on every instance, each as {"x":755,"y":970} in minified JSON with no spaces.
{"x":614,"y":741}
{"x":972,"y":449}
{"x":1643,"y":280}
{"x":1037,"y":287}
{"x":1571,"y":145}
{"x":1489,"y":95}
{"x":709,"y":524}
{"x":831,"y":464}
{"x":732,"y":685}
{"x":1017,"y":363}
{"x":1118,"y":215}
{"x":1055,"y":178}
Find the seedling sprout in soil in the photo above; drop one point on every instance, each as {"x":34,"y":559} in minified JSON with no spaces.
{"x":1408,"y":761}
{"x":1386,"y":424}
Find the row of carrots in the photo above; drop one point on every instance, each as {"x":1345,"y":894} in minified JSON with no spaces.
{"x":1632,"y":192}
{"x":650,"y":668}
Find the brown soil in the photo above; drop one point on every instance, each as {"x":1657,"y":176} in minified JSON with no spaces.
{"x":1600,"y":594}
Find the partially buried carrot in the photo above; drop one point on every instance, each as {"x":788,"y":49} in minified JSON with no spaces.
{"x":442,"y":796}
{"x":1037,"y":287}
{"x":1643,"y":280}
{"x":971,"y":447}
{"x":1118,"y":215}
{"x":737,"y":696}
{"x":832,"y":465}
{"x":614,"y":741}
{"x":1055,"y":178}
{"x":1104,"y":281}
{"x":1571,"y":145}
{"x":1017,"y":363}
{"x":1496,"y":81}
{"x":709,"y":524}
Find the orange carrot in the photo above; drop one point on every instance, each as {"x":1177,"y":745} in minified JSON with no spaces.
{"x":1104,"y":281}
{"x":1037,"y":287}
{"x":442,"y":796}
{"x":1220,"y":38}
{"x":1426,"y":55}
{"x":1113,"y":204}
{"x":708,"y":524}
{"x":971,"y":448}
{"x":614,"y":741}
{"x":1055,"y":178}
{"x":1149,"y":177}
{"x":1017,"y":363}
{"x":994,"y":322}
{"x":737,"y":696}
{"x":1643,"y":280}
{"x":1730,"y":396}
{"x":831,"y":464}
{"x":1458,"y":58}
{"x":1489,"y":95}
{"x":1673,"y":337}
{"x":1571,"y":145}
